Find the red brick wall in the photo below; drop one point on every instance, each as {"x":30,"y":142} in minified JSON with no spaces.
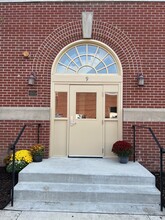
{"x":10,"y":129}
{"x":25,"y":26}
{"x":146,"y":150}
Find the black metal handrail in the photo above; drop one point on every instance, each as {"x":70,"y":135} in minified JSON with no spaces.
{"x":13,"y":165}
{"x":161,"y":150}
{"x":13,"y":148}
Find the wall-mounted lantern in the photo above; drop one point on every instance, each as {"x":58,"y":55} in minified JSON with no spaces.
{"x":140,"y":79}
{"x":31,"y":79}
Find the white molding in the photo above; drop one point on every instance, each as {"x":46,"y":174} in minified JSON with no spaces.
{"x":24,"y":113}
{"x":144,"y":114}
{"x":43,"y":113}
{"x":8,"y":1}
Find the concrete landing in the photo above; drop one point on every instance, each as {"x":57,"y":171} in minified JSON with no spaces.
{"x":92,"y":166}
{"x":86,"y":185}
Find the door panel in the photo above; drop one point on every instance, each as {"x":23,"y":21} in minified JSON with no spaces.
{"x":85,"y":125}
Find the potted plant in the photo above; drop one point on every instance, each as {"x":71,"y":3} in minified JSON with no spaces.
{"x":123,"y":150}
{"x":22,"y":159}
{"x":37,"y":152}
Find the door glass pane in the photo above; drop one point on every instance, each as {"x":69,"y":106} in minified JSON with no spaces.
{"x":110,"y":105}
{"x":60,"y":104}
{"x":85,"y":105}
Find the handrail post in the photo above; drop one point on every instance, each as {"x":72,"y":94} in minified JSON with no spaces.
{"x":39,"y":125}
{"x":161,"y":179}
{"x":134,"y":142}
{"x":13,"y":176}
{"x":162,"y":151}
{"x":13,"y":165}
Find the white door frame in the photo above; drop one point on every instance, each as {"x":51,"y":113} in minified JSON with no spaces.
{"x":63,"y":124}
{"x":114,"y":81}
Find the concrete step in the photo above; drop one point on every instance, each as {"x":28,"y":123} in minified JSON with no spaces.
{"x":87,"y":179}
{"x":55,"y":192}
{"x":70,"y":184}
{"x":87,"y":170}
{"x":88,"y":207}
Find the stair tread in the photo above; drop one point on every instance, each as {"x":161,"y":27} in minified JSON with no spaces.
{"x":87,"y":179}
{"x":84,"y":207}
{"x":76,"y":187}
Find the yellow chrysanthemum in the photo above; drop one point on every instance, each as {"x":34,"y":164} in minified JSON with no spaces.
{"x":23,"y":155}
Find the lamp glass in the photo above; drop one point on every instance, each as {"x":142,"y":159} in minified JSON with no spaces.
{"x":141,"y":80}
{"x":31,"y":80}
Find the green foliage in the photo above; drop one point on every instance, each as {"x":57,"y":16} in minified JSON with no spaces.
{"x":37,"y":150}
{"x":19,"y":165}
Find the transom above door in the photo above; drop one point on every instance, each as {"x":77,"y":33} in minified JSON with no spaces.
{"x":87,"y":58}
{"x":87,"y":61}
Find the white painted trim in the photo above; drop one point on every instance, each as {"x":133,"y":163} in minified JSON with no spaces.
{"x":24,"y":113}
{"x":24,"y":1}
{"x":144,"y":114}
{"x":43,"y":113}
{"x":80,"y":79}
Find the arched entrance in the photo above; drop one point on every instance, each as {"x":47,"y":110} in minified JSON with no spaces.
{"x":86,"y":100}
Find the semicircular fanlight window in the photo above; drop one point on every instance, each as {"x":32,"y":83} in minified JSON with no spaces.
{"x":87,"y":59}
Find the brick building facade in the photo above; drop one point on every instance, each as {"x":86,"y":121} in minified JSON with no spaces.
{"x":134,"y":30}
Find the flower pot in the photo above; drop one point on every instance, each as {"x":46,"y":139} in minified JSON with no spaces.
{"x":37,"y":158}
{"x":123,"y":159}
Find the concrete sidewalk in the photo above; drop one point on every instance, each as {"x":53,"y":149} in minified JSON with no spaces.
{"x":33,"y":215}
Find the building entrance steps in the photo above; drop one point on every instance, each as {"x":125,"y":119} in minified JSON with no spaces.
{"x":86,"y":185}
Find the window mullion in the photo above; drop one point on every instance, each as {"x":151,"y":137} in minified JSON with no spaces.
{"x":78,"y":56}
{"x":110,"y":64}
{"x":94,"y":56}
{"x":75,"y":62}
{"x":63,"y":64}
{"x":86,"y":54}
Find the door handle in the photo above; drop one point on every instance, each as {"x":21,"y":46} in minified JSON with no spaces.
{"x":72,"y":123}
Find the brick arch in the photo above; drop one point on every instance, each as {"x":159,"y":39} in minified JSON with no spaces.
{"x":104,"y":32}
